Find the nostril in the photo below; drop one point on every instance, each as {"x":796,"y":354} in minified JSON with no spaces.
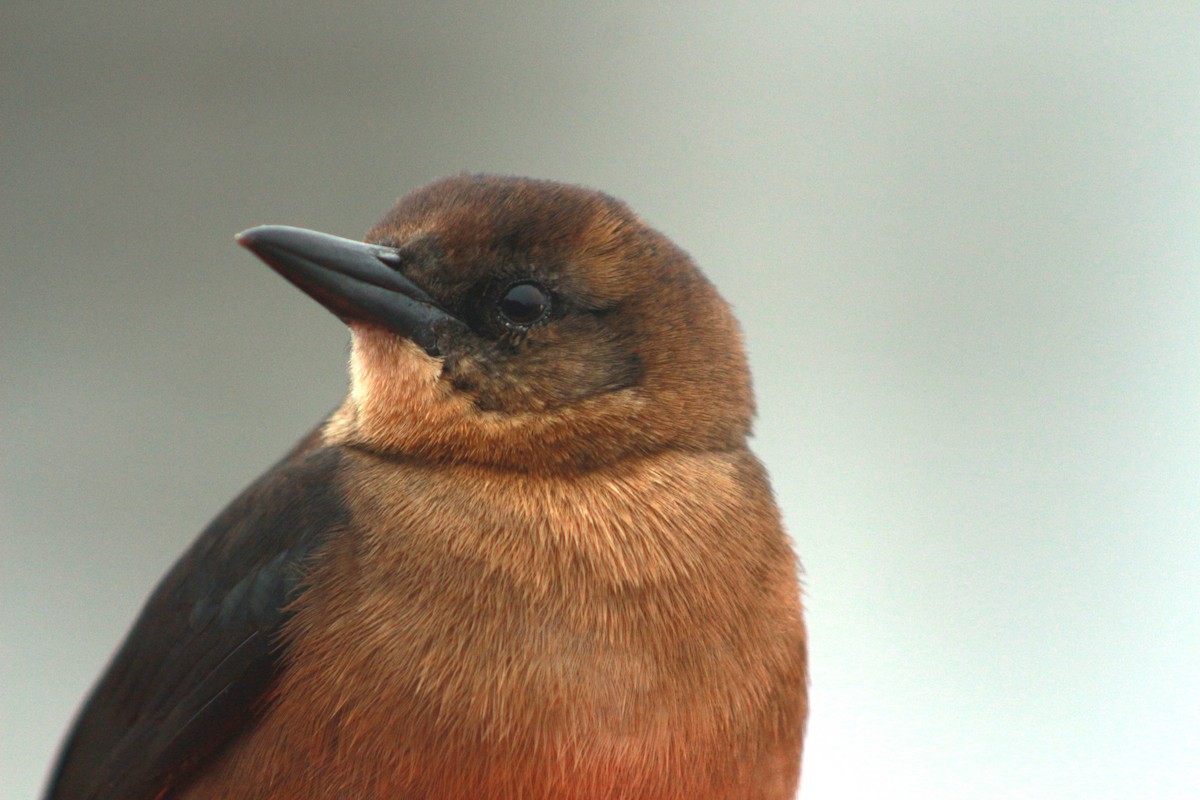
{"x":390,"y":257}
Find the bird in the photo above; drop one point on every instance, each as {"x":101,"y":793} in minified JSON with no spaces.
{"x":531,"y":555}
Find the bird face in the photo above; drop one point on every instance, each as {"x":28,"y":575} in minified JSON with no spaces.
{"x":524,"y":324}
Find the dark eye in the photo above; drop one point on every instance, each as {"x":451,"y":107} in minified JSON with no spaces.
{"x":524,"y":303}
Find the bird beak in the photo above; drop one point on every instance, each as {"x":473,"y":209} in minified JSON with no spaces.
{"x":356,"y":281}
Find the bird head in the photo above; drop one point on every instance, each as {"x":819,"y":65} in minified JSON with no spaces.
{"x":521,"y":324}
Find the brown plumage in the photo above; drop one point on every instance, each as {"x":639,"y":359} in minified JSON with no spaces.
{"x":529,"y":557}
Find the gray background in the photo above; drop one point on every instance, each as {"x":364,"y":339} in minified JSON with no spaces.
{"x":962,"y":239}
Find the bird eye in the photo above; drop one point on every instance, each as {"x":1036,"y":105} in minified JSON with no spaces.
{"x":524,"y":303}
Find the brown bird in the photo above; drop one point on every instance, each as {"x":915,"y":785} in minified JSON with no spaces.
{"x":530,"y":556}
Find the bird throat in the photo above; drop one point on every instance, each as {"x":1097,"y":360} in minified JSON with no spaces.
{"x":396,"y":402}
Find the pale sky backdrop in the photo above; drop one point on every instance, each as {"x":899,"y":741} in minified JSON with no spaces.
{"x":963,"y":240}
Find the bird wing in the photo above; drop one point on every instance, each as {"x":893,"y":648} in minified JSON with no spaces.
{"x":199,"y":662}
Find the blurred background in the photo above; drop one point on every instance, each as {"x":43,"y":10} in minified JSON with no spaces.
{"x":963,"y":241}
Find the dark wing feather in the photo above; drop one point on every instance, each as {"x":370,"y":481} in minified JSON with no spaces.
{"x":198,"y":664}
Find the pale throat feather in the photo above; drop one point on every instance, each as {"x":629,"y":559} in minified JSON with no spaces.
{"x":397,"y":400}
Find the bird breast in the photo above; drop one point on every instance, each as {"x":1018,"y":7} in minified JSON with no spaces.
{"x":564,"y":636}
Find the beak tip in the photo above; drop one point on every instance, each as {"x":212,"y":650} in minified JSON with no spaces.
{"x":249,"y":237}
